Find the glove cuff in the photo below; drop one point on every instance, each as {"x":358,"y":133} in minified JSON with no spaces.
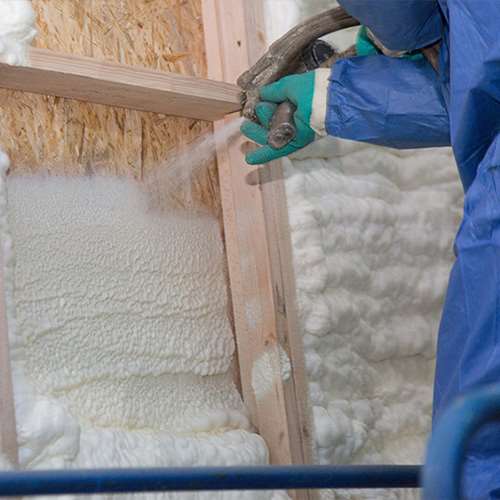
{"x":320,"y":98}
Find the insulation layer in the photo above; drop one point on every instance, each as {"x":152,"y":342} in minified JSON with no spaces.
{"x":17,"y":29}
{"x":372,"y":233}
{"x":122,"y":348}
{"x":136,"y":296}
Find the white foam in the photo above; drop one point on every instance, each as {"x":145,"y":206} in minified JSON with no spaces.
{"x":372,"y":232}
{"x":271,"y":366}
{"x":282,"y":15}
{"x":17,"y":30}
{"x":122,"y":351}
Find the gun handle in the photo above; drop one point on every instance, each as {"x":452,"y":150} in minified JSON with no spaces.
{"x":282,"y":130}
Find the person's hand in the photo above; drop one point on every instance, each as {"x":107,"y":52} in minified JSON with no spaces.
{"x":300,"y":90}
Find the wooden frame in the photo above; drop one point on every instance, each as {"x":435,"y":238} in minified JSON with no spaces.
{"x":101,"y":82}
{"x":259,"y":253}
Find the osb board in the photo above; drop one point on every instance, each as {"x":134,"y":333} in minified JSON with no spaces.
{"x":64,"y":136}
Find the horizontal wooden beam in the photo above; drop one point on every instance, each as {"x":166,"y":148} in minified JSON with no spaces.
{"x":91,"y":80}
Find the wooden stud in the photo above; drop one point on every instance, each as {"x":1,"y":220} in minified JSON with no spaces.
{"x":8,"y":434}
{"x":101,"y":82}
{"x":259,"y":254}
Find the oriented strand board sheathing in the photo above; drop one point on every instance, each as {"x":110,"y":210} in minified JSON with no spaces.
{"x":66,"y":136}
{"x":161,"y":34}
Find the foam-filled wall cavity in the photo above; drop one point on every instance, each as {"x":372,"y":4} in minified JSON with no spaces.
{"x":121,"y":346}
{"x":372,"y":232}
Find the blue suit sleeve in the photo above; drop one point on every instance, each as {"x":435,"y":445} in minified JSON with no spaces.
{"x":387,"y":101}
{"x":399,"y":24}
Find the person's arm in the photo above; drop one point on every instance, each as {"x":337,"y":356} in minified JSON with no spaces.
{"x":386,"y":101}
{"x":399,"y":24}
{"x":377,"y":99}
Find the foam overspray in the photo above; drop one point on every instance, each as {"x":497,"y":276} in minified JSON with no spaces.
{"x":170,"y":182}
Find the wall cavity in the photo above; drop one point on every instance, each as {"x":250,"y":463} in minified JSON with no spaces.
{"x":122,"y":348}
{"x":372,"y":233}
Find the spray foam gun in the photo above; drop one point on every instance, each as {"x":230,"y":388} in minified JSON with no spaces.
{"x":297,"y":51}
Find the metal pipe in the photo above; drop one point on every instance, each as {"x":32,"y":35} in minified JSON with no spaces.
{"x":30,"y":483}
{"x":448,"y":443}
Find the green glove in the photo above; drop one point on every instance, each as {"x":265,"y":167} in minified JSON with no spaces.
{"x":366,"y":47}
{"x":300,"y":90}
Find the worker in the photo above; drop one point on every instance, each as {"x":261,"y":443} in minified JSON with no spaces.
{"x":404,"y":103}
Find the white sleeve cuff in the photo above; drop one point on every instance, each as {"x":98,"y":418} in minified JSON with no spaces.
{"x":320,"y":98}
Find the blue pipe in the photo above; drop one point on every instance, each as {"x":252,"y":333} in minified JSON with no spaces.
{"x":29,"y":483}
{"x":454,"y":429}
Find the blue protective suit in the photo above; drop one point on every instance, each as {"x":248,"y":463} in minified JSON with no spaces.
{"x":403,"y":103}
